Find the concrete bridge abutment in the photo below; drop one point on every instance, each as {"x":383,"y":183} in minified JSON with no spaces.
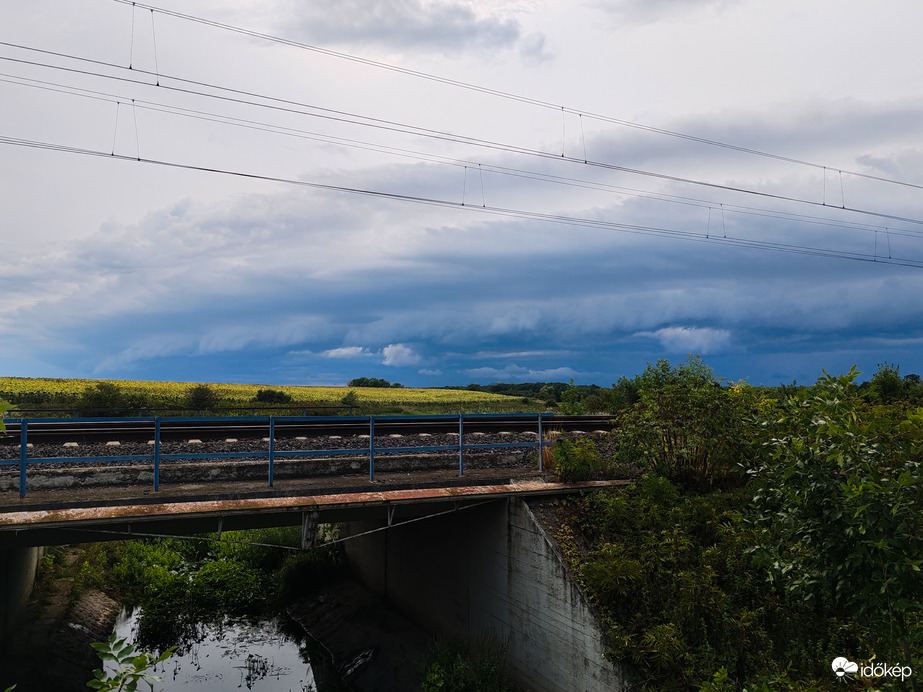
{"x":18,"y":567}
{"x":490,"y":569}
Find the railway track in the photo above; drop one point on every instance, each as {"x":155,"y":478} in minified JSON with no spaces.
{"x":178,"y":429}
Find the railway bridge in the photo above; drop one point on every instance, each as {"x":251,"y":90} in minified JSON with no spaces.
{"x":461,"y":549}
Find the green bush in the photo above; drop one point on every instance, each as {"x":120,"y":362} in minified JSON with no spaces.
{"x":579,"y":460}
{"x":107,"y":399}
{"x":228,"y":587}
{"x":466,"y":666}
{"x":201,"y":398}
{"x":839,"y":511}
{"x":272,"y":396}
{"x":686,"y":426}
{"x":681,"y":597}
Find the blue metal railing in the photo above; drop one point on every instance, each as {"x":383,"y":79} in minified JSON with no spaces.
{"x":271,"y":454}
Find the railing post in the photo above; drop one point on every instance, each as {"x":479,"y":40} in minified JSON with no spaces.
{"x":157,"y":453}
{"x":23,"y":453}
{"x":541,"y":445}
{"x":461,"y":444}
{"x":371,"y":448}
{"x":272,"y":446}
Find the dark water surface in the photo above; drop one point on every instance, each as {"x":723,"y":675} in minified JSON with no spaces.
{"x":265,"y":655}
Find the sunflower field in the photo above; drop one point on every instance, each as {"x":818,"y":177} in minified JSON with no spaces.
{"x":130,"y":397}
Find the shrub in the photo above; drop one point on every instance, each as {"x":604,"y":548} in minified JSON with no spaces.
{"x":371,"y":382}
{"x":571,"y":403}
{"x":472,"y":666}
{"x":681,"y":597}
{"x":886,"y":385}
{"x":839,"y":513}
{"x":272,"y":396}
{"x":201,"y":398}
{"x":686,"y":426}
{"x":579,"y":460}
{"x":107,"y":399}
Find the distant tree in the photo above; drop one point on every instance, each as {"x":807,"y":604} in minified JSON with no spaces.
{"x":548,"y":395}
{"x":595,"y":403}
{"x":201,"y":398}
{"x":886,"y":385}
{"x":624,"y":393}
{"x":351,"y":399}
{"x":571,"y":403}
{"x":103,"y":399}
{"x":370,"y":382}
{"x":273,"y":396}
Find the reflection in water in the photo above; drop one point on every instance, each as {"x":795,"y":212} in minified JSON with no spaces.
{"x":257,"y":655}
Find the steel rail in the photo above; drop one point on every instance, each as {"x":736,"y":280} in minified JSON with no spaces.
{"x":90,"y":430}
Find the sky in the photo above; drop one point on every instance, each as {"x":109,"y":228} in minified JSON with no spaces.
{"x":444,"y":192}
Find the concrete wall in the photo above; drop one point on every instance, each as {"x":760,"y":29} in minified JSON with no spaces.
{"x":17,"y":574}
{"x":491,"y":569}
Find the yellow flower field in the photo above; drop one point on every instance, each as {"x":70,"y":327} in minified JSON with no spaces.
{"x":245,"y":393}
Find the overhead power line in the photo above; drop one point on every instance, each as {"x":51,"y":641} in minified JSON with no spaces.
{"x":499,"y":93}
{"x":507,"y":171}
{"x":299,"y":108}
{"x":493,"y":210}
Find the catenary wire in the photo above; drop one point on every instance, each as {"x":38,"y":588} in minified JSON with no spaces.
{"x":492,"y":210}
{"x":505,"y":94}
{"x":366,"y":121}
{"x":439,"y":159}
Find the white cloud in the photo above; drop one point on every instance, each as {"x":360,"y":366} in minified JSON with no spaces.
{"x":516,"y":372}
{"x":702,"y":340}
{"x":346,"y":352}
{"x":426,"y":371}
{"x":399,"y":355}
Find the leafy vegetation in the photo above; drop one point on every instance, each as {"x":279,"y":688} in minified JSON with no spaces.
{"x":273,"y":396}
{"x":201,"y":397}
{"x":132,"y":667}
{"x":685,"y":426}
{"x":372,"y":382}
{"x":466,"y":666}
{"x":769,"y":531}
{"x":839,"y":510}
{"x":180,"y":584}
{"x":579,"y":460}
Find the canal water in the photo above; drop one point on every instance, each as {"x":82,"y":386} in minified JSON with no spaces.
{"x":264,"y":655}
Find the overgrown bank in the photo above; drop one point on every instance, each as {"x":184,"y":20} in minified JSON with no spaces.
{"x":765,"y":537}
{"x":188,"y":589}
